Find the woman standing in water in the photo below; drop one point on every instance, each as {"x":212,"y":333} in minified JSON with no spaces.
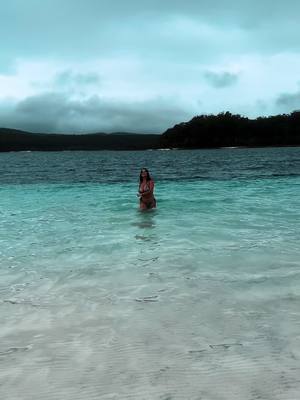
{"x":146,"y":188}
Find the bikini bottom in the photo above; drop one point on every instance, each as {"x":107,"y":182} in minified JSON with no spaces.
{"x":149,"y":204}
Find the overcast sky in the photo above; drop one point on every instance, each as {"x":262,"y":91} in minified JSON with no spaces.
{"x":142,"y":66}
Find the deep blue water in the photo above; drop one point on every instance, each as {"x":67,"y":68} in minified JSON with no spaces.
{"x":116,"y":167}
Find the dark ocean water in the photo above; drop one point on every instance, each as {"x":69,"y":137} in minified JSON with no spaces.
{"x":116,"y":166}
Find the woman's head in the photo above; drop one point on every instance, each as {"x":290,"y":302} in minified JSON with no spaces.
{"x":144,"y":174}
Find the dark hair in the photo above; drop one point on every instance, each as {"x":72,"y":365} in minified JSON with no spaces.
{"x":148,"y":175}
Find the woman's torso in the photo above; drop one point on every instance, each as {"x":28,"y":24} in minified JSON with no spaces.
{"x":145,"y":186}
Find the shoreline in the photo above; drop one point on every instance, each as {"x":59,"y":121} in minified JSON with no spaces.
{"x":30,"y":150}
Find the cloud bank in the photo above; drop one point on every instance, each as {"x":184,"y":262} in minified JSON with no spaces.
{"x":55,"y":112}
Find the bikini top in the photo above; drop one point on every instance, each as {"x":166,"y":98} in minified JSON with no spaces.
{"x":146,"y":187}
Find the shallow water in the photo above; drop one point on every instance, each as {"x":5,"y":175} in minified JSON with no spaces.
{"x":198,"y":299}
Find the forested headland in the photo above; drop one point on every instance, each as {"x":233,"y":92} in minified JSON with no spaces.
{"x":226,"y":130}
{"x":203,"y":131}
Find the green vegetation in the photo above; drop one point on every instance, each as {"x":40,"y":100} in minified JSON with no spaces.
{"x":226,"y":129}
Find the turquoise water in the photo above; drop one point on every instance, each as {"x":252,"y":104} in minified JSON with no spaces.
{"x":199,"y":299}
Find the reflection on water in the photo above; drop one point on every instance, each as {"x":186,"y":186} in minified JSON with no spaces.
{"x":147,"y":222}
{"x":143,"y":237}
{"x":146,"y":219}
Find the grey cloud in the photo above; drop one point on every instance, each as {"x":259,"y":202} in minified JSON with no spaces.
{"x":288,"y":102}
{"x":89,"y":29}
{"x":68,"y":78}
{"x":83,"y":12}
{"x":222,"y":79}
{"x":68,"y":81}
{"x":55,"y":112}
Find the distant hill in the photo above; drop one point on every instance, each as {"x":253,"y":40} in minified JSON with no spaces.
{"x":204,"y":131}
{"x":16,"y":140}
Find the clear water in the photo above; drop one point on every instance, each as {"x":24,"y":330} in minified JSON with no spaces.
{"x":199,"y":299}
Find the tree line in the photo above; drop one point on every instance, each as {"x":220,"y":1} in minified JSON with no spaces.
{"x":226,"y":129}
